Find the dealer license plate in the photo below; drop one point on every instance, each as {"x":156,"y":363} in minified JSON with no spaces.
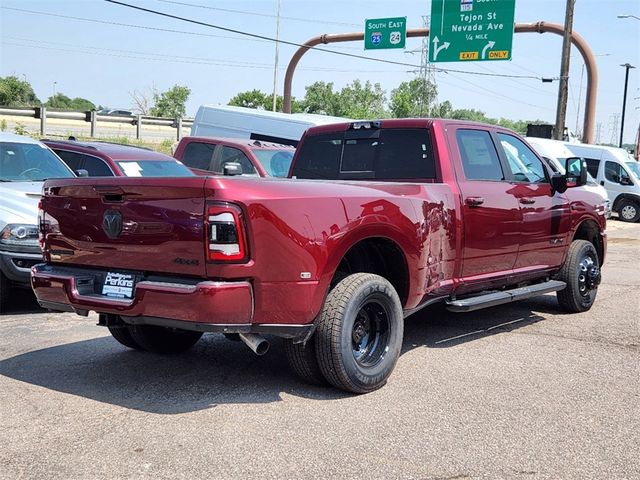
{"x":118,"y":285}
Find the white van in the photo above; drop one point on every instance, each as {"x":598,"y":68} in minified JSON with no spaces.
{"x":555,"y":153}
{"x":241,"y":122}
{"x":610,"y":166}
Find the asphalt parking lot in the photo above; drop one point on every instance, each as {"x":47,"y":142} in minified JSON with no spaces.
{"x":519,"y":391}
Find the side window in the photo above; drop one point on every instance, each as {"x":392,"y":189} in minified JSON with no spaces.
{"x":230,"y":154}
{"x":592,"y":166}
{"x":72,"y":159}
{"x":96,"y":167}
{"x":479,"y":157}
{"x":524,"y":164}
{"x":615,"y":172}
{"x":198,"y":155}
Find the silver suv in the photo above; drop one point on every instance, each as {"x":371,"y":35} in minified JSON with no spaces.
{"x":24,"y":165}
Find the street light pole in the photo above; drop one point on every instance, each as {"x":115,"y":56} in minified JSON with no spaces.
{"x":627,"y":67}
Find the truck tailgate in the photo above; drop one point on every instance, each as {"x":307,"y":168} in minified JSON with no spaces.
{"x":139,"y":224}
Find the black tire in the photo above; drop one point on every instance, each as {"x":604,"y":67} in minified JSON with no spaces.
{"x":359,"y":334}
{"x":163,"y":340}
{"x":122,"y":335}
{"x":303,"y":361}
{"x":629,"y":211}
{"x":581,"y":272}
{"x":4,"y":292}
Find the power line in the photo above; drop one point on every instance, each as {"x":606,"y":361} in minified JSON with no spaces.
{"x":146,"y":27}
{"x":243,"y":12}
{"x":164,"y":57}
{"x":286,"y":42}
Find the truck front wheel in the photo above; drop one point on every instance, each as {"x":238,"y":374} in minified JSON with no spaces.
{"x":359,"y":334}
{"x":163,"y":340}
{"x":581,"y":273}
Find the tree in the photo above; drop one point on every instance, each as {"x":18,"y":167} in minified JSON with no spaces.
{"x":354,"y":100}
{"x":170,"y":103}
{"x":17,"y":93}
{"x":320,"y":98}
{"x":141,"y":101}
{"x":250,"y":99}
{"x":362,"y":101}
{"x":413,"y":99}
{"x":62,"y":102}
{"x":262,"y":101}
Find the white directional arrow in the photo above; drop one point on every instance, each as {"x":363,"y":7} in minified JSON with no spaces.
{"x":487,"y":47}
{"x":436,"y":49}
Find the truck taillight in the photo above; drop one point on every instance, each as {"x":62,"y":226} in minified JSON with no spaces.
{"x":226,"y":240}
{"x":41,"y":232}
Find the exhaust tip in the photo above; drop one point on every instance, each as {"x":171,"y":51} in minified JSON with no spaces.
{"x":259,"y":345}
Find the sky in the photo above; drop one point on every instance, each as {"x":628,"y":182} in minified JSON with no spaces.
{"x":105,"y":52}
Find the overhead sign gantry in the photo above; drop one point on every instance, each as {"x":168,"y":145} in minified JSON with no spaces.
{"x":471,"y":30}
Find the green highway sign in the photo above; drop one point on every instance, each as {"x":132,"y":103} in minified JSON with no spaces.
{"x":380,"y":33}
{"x":471,"y":30}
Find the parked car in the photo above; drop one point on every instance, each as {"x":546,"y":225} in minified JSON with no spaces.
{"x":102,"y":159}
{"x":115,"y":112}
{"x":24,"y":165}
{"x":250,"y":123}
{"x":205,"y":155}
{"x":609,"y":166}
{"x":555,"y":152}
{"x":384,"y":218}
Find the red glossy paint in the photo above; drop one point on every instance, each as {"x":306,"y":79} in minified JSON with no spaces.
{"x":298,"y":231}
{"x":209,"y":150}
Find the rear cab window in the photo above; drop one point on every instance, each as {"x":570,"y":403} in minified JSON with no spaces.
{"x":198,"y":155}
{"x":367,"y":154}
{"x":96,"y":167}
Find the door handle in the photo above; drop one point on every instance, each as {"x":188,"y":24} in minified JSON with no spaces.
{"x":527,"y":200}
{"x":474,"y":201}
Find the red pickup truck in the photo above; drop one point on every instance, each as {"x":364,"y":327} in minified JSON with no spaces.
{"x":234,"y":156}
{"x":379,"y":220}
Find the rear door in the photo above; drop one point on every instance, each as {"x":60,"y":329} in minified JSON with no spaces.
{"x":141,"y":224}
{"x":490,"y":210}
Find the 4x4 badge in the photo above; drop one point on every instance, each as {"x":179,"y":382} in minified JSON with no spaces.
{"x":112,"y":223}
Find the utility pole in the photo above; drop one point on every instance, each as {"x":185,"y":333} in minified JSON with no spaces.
{"x":275,"y":66}
{"x":563,"y":90}
{"x":627,"y":66}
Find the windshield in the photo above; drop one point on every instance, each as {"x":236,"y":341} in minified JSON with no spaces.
{"x":275,"y":162}
{"x":153,"y":168}
{"x":30,"y":162}
{"x":634,"y":167}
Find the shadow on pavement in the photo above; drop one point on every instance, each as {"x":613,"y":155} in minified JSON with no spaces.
{"x":217,"y":371}
{"x":22,"y":302}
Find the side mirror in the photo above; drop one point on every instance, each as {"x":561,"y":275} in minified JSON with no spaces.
{"x":232,"y":168}
{"x":576,"y":171}
{"x":81,"y":173}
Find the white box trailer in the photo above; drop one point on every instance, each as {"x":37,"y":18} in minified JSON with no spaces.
{"x":241,"y":122}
